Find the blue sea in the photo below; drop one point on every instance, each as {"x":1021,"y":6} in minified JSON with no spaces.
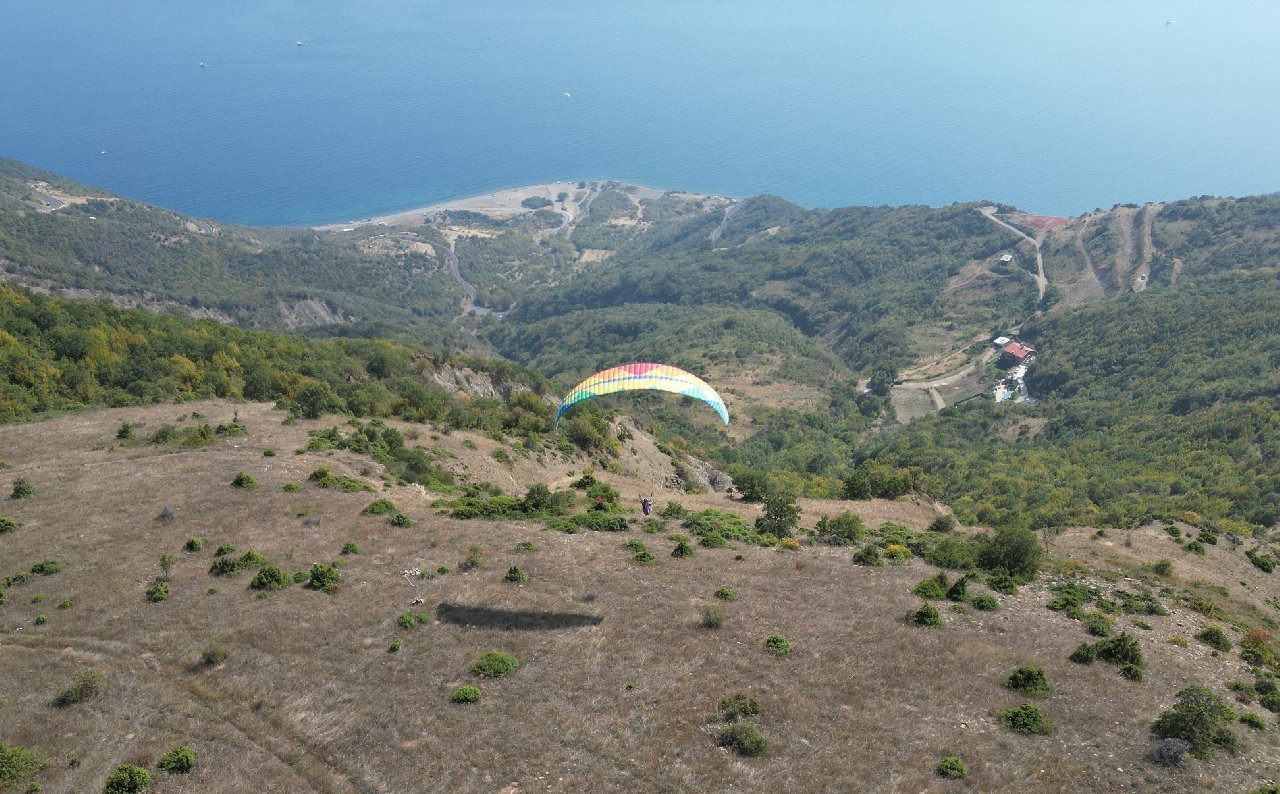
{"x":1057,"y":107}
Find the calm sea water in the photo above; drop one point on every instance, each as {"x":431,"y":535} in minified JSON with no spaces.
{"x":1057,"y":107}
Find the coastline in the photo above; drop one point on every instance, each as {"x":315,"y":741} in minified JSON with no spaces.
{"x":501,"y":203}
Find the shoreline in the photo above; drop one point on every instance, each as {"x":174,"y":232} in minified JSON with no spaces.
{"x":505,"y":203}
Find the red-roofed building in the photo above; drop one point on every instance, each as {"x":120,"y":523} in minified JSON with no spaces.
{"x":1016,"y":353}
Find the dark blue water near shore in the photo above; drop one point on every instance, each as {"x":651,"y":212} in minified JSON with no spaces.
{"x":390,"y":104}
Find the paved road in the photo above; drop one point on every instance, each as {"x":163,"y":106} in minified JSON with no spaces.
{"x":729,"y":212}
{"x":51,"y":202}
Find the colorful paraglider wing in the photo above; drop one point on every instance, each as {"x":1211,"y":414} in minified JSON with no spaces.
{"x":630,"y":377}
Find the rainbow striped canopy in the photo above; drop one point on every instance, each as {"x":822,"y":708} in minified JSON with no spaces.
{"x":629,"y":377}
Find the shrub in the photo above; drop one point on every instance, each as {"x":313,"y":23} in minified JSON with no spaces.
{"x":158,"y":591}
{"x":477,"y":557}
{"x":644,"y":557}
{"x":350,"y":547}
{"x":22,"y":490}
{"x":725,"y":594}
{"x":1098,"y":624}
{"x":870,"y":555}
{"x":215,"y":653}
{"x":959,"y":592}
{"x":18,"y":764}
{"x":897,"y":554}
{"x":743,"y":739}
{"x":1270,"y":701}
{"x":1085,"y":654}
{"x":465,"y":694}
{"x":1260,"y":561}
{"x":291,"y":487}
{"x":271,"y":577}
{"x":84,"y":684}
{"x":984,"y":602}
{"x":952,"y":767}
{"x":379,"y":507}
{"x":395,"y":646}
{"x":127,"y":779}
{"x":1027,"y":719}
{"x":324,"y":577}
{"x":1214,"y":638}
{"x":178,"y":760}
{"x":8,"y":525}
{"x":1170,"y":752}
{"x":712,"y":617}
{"x":1254,"y":721}
{"x":225,"y":549}
{"x":943,"y":524}
{"x":193,"y":544}
{"x":46,"y":567}
{"x":224,"y":566}
{"x":40,"y":620}
{"x":956,"y":554}
{"x":1003,"y":583}
{"x":926,"y":615}
{"x":682,"y":549}
{"x":526,"y":546}
{"x":1163,"y":568}
{"x":495,"y":664}
{"x":1029,"y":681}
{"x":778,"y":645}
{"x":244,"y":479}
{"x":1121,"y":649}
{"x":252,"y":559}
{"x":738,"y":706}
{"x":401,"y":520}
{"x":1012,"y":551}
{"x":514,"y":574}
{"x":1131,"y":671}
{"x":935,"y":587}
{"x":1200,"y":718}
{"x":1255,"y":648}
{"x":843,"y":530}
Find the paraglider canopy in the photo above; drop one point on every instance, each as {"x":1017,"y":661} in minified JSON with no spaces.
{"x":630,"y":377}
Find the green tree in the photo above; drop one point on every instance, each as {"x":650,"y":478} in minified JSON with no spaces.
{"x":781,"y":514}
{"x":1013,"y":551}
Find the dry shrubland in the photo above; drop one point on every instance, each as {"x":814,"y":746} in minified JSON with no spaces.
{"x":618,"y":685}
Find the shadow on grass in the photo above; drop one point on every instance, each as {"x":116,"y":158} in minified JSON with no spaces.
{"x":513,"y":619}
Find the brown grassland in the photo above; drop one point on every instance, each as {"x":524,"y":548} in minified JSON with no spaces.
{"x":617,"y":682}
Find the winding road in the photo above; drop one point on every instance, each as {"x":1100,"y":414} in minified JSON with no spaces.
{"x":729,"y":212}
{"x":1041,"y":281}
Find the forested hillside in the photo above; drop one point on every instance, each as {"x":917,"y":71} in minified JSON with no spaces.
{"x":1161,"y":404}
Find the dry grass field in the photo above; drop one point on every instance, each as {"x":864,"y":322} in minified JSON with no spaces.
{"x":617,"y":682}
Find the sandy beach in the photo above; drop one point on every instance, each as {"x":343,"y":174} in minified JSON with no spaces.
{"x":502,"y":203}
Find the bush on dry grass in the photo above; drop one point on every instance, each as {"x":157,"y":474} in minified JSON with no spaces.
{"x":935,"y":587}
{"x":952,"y":767}
{"x":743,"y":739}
{"x":8,"y":525}
{"x":926,"y":616}
{"x":22,"y":490}
{"x":215,"y":653}
{"x":1215,"y":638}
{"x":271,"y":577}
{"x":18,"y":764}
{"x":1027,"y":719}
{"x":778,"y":645}
{"x":465,"y":694}
{"x":870,"y":555}
{"x":379,"y":507}
{"x":157,"y":592}
{"x":737,"y":706}
{"x":495,"y":664}
{"x":244,"y":479}
{"x":127,"y":779}
{"x":725,"y":594}
{"x":712,"y":617}
{"x":477,"y":557}
{"x":180,"y":759}
{"x":84,"y":684}
{"x":682,"y":549}
{"x":1201,"y":718}
{"x":515,"y":575}
{"x":324,"y":577}
{"x":1029,"y":681}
